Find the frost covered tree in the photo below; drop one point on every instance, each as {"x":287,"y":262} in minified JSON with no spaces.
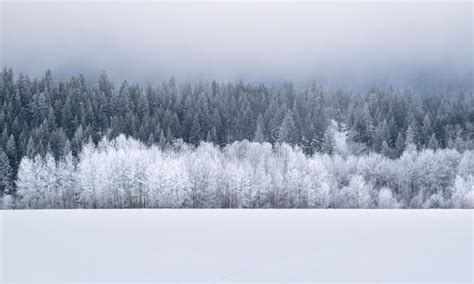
{"x":433,"y":142}
{"x":463,"y":192}
{"x":357,"y":194}
{"x":386,"y":199}
{"x":125,"y":173}
{"x":5,"y":174}
{"x":29,"y":188}
{"x":40,"y":116}
{"x":7,"y":202}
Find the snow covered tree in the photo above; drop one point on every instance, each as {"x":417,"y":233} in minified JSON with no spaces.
{"x":259,"y":137}
{"x":288,"y":128}
{"x":386,"y":199}
{"x":462,"y":192}
{"x":5,"y":174}
{"x":329,"y":142}
{"x":29,"y":188}
{"x":399,"y":144}
{"x":195,"y":132}
{"x":357,"y":194}
{"x":7,"y":202}
{"x":433,"y":143}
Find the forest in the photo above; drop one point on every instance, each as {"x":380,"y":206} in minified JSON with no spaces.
{"x":81,"y":144}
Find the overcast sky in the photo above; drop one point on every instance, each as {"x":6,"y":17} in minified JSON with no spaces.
{"x":338,"y":42}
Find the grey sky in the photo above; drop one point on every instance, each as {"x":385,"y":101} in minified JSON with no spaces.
{"x":342,"y":42}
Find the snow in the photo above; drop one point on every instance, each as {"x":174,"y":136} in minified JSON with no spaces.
{"x":126,"y":246}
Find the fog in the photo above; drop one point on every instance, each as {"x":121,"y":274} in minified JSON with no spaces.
{"x":341,"y":44}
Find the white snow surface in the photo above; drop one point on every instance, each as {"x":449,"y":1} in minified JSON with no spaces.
{"x":217,"y":245}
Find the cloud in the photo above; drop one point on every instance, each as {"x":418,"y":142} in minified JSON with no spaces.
{"x":338,"y":43}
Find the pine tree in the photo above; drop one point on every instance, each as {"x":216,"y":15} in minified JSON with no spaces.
{"x":386,"y":151}
{"x":11,"y":151}
{"x":151,"y":140}
{"x":57,"y":142}
{"x":31,"y":149}
{"x":410,"y":136}
{"x":195,"y":132}
{"x":459,"y":143}
{"x":258,"y":137}
{"x":329,"y":142}
{"x":433,"y":143}
{"x":162,"y":140}
{"x":214,"y":134}
{"x":427,"y":128}
{"x":4,"y":137}
{"x":410,"y":145}
{"x":288,"y":129}
{"x":400,"y":144}
{"x":208,"y":137}
{"x":5,"y":174}
{"x":381,"y":134}
{"x":77,"y":140}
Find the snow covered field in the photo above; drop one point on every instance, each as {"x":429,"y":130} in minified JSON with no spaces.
{"x":126,"y":246}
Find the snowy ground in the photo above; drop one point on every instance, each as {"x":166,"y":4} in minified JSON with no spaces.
{"x":126,"y":246}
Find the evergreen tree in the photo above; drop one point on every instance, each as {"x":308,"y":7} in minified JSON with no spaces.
{"x":31,"y":151}
{"x":329,"y":142}
{"x":77,"y":140}
{"x":400,"y":144}
{"x":288,"y":129}
{"x":151,"y":140}
{"x":427,"y":129}
{"x":433,"y":142}
{"x":258,"y":137}
{"x":195,"y":132}
{"x":5,"y":174}
{"x":58,"y":142}
{"x":386,"y":151}
{"x":162,"y":140}
{"x":382,"y":134}
{"x":410,"y":136}
{"x":11,"y":151}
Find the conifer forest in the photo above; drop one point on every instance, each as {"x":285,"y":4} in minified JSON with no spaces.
{"x":90,"y":143}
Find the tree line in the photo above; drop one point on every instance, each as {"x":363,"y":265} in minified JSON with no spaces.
{"x":125,"y":173}
{"x":41,"y":117}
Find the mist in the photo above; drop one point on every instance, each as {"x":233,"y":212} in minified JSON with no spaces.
{"x":338,"y":44}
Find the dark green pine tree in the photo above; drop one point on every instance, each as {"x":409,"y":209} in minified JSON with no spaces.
{"x":386,"y":151}
{"x":400,"y":144}
{"x":10,"y":149}
{"x":433,"y":143}
{"x":287,"y":131}
{"x":4,"y":137}
{"x":214,"y":134}
{"x":5,"y":173}
{"x":162,"y":140}
{"x":410,"y":137}
{"x":31,"y":151}
{"x":328,"y":144}
{"x":151,"y":140}
{"x":58,"y":142}
{"x":427,"y":129}
{"x":195,"y":132}
{"x":259,"y":135}
{"x":382,"y":134}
